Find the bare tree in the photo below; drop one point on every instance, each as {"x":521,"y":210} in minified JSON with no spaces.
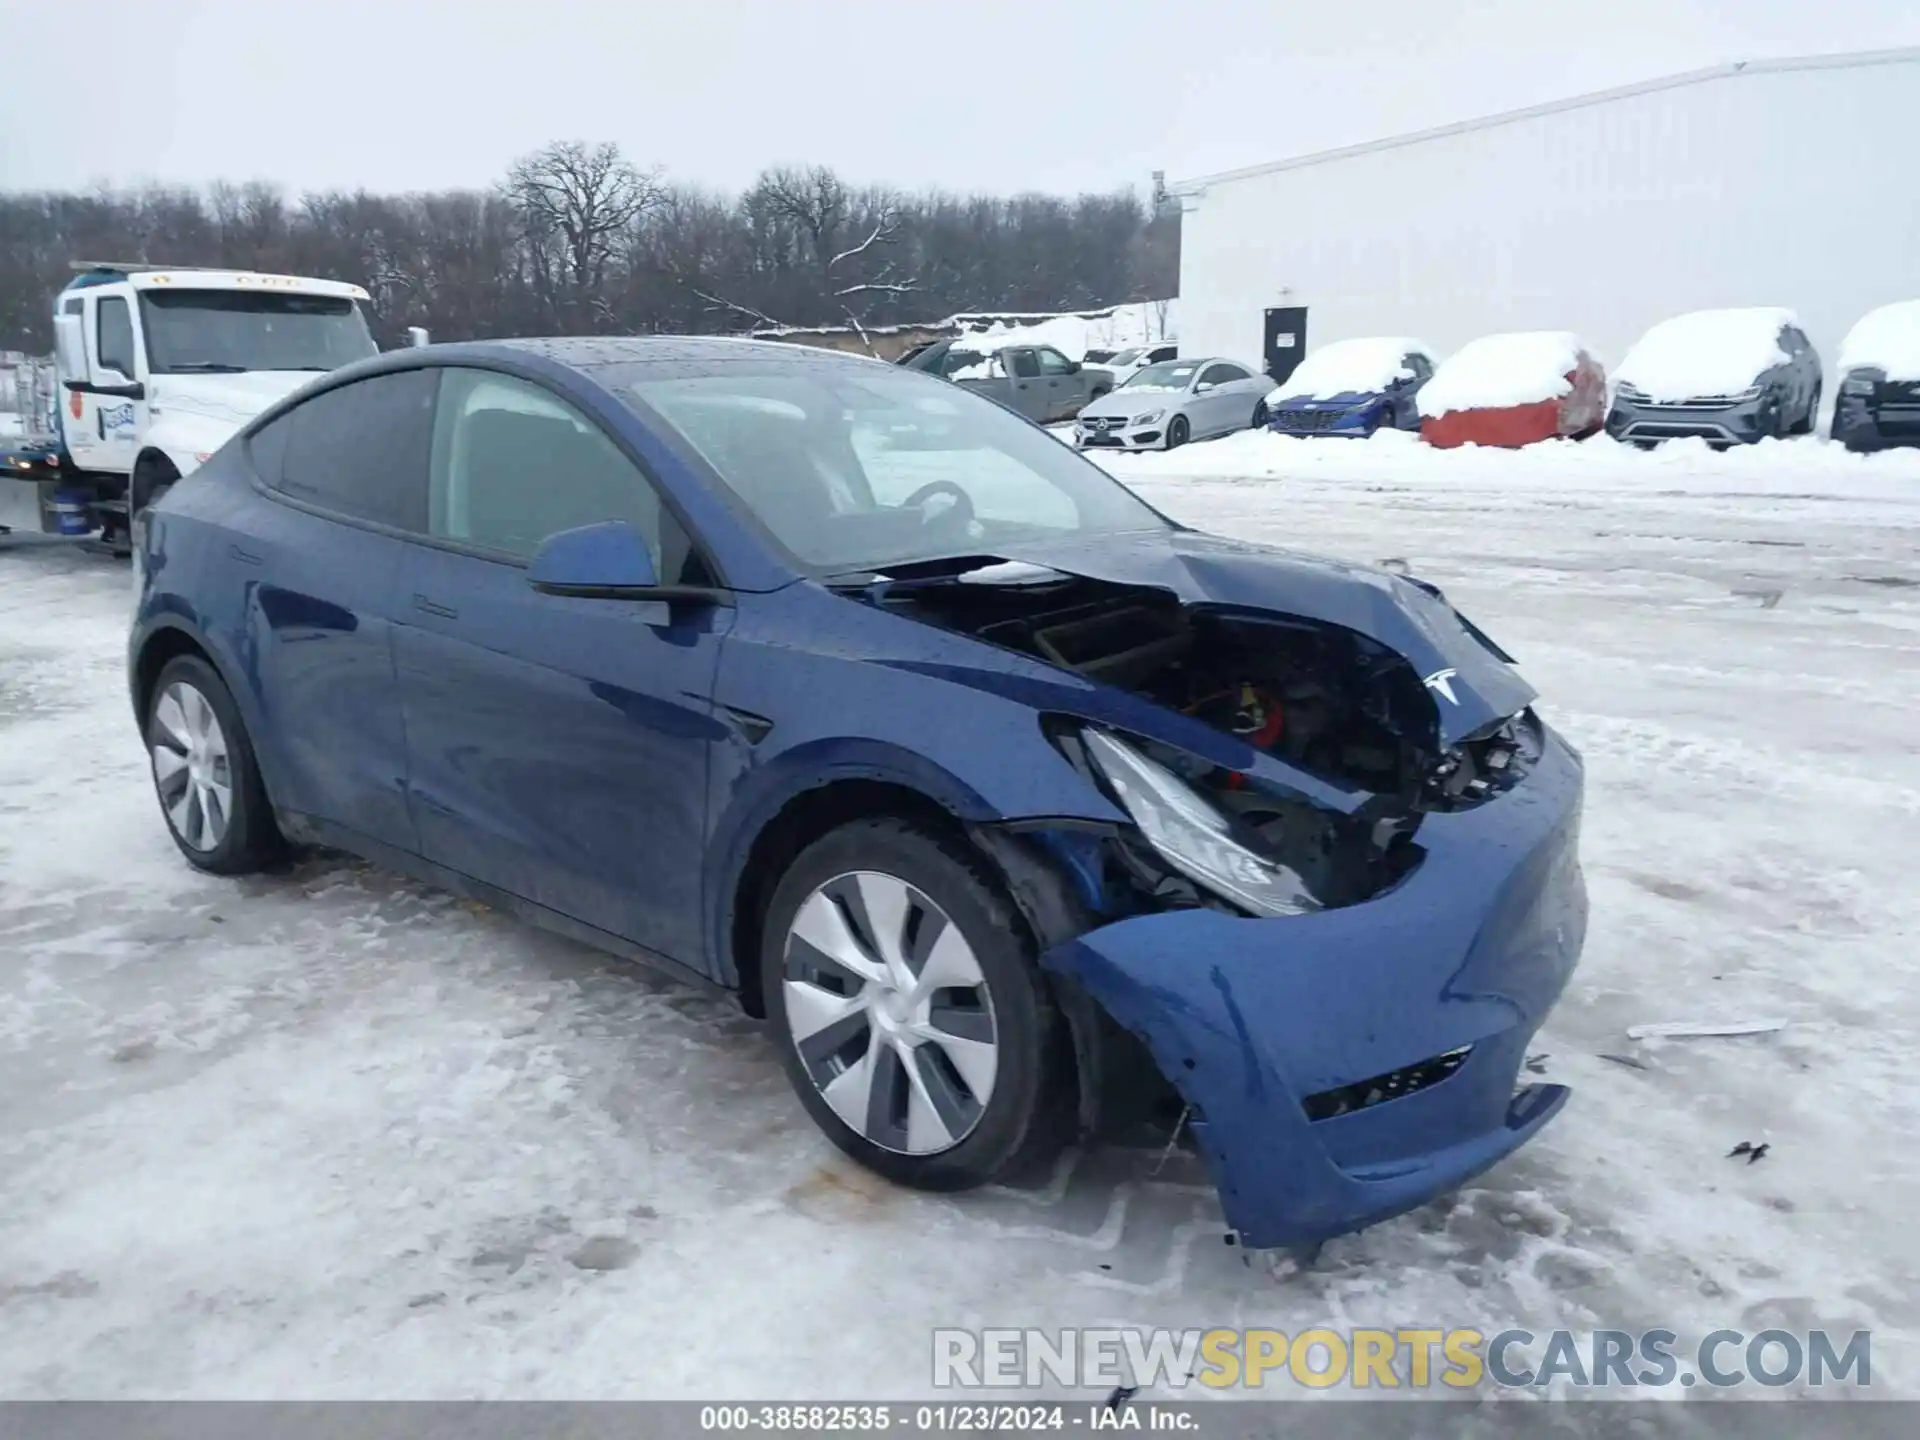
{"x":576,"y":203}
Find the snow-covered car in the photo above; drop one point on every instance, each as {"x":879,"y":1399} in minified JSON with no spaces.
{"x":1731,"y":377}
{"x":979,"y":779}
{"x":1166,"y":405}
{"x":1124,"y":364}
{"x":1514,"y":389}
{"x":1879,"y":400}
{"x":1353,"y":388}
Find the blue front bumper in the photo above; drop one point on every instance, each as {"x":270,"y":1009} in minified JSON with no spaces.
{"x":1351,"y":419}
{"x":1257,"y":1022}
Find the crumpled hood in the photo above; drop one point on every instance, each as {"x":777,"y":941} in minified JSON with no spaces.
{"x":232,"y":399}
{"x":1473,"y":687}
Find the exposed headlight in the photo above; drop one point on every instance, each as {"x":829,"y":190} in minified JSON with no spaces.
{"x":1148,"y":418}
{"x":1192,"y":836}
{"x":1858,"y":383}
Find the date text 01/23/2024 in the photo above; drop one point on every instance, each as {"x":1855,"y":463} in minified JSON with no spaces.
{"x":934,"y":1419}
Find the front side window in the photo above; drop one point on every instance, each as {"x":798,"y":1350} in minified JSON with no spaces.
{"x":1052,"y":362}
{"x":113,"y":335}
{"x":513,"y":463}
{"x":217,"y":331}
{"x":359,"y":450}
{"x":853,"y":467}
{"x":1025,"y":365}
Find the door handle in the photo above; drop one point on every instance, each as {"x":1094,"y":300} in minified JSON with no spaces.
{"x":430,"y":607}
{"x":245,"y":557}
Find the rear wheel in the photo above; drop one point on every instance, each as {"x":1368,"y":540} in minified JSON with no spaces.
{"x":204,"y":772}
{"x":909,"y":1009}
{"x":1177,"y":432}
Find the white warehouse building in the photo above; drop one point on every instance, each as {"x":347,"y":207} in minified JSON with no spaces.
{"x":1775,"y":182}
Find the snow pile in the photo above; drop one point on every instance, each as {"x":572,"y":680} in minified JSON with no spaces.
{"x":1147,"y":323}
{"x":1798,"y":471}
{"x":1707,"y":352}
{"x":1886,"y":339}
{"x":1350,"y":367}
{"x":1496,"y":371}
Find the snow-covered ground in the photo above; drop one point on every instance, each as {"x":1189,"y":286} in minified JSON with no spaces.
{"x":331,"y":1133}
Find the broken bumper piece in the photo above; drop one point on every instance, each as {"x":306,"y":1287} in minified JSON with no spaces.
{"x":1346,"y":1066}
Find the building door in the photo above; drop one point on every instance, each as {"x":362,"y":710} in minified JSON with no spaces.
{"x":1286,"y":341}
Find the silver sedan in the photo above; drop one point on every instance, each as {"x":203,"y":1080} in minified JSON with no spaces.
{"x":1173,"y":402}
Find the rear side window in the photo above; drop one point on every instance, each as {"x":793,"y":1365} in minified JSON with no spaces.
{"x":358,"y":449}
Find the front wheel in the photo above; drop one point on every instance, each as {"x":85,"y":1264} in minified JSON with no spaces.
{"x":1178,"y":430}
{"x":204,"y":772}
{"x":909,"y":1009}
{"x":1259,"y":421}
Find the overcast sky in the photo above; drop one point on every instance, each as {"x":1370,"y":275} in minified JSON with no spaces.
{"x":995,"y":95}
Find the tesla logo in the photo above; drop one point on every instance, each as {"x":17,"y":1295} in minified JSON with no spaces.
{"x":1441,"y":683}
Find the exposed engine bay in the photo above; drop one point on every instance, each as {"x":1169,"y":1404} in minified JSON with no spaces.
{"x":1321,"y":698}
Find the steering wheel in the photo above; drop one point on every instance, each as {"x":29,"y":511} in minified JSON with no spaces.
{"x":959,"y":515}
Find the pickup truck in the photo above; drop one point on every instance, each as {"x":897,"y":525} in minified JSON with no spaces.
{"x":1035,"y":380}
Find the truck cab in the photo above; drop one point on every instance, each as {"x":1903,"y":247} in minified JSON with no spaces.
{"x":157,"y":367}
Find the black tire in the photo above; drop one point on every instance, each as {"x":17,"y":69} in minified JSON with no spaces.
{"x":1259,"y":421}
{"x":153,"y":476}
{"x":1178,"y":430}
{"x":1644,"y":444}
{"x":251,"y":840}
{"x":1019,"y":1124}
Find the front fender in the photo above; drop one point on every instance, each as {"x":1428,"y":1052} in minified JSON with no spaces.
{"x":188,"y":440}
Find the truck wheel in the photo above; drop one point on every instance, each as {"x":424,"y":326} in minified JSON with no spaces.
{"x":204,"y":772}
{"x":909,"y":1009}
{"x":153,"y":476}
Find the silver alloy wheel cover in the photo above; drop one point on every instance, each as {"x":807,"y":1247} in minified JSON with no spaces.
{"x":889,"y":1013}
{"x":192,"y":770}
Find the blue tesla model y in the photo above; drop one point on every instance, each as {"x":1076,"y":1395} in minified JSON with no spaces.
{"x":831,"y":684}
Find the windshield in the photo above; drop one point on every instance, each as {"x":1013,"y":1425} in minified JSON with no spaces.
{"x":200,"y":331}
{"x":1127,"y":357}
{"x":854,"y":468}
{"x":1167,"y":375}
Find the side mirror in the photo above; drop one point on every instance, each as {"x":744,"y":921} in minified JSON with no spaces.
{"x":609,"y":560}
{"x":417,"y":336}
{"x":70,"y":347}
{"x":1073,"y":367}
{"x":1202,"y":386}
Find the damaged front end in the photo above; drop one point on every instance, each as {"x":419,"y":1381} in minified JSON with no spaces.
{"x":1335,"y":924}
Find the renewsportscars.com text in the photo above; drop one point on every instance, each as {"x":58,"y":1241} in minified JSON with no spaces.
{"x":1409,"y":1358}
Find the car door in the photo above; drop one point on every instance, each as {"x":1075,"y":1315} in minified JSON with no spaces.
{"x":557,"y":746}
{"x":1023,"y":374}
{"x":345,"y":472}
{"x":1214,"y":399}
{"x":1062,"y":390}
{"x":106,"y":417}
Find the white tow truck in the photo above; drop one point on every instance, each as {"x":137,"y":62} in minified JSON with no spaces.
{"x":155,"y":367}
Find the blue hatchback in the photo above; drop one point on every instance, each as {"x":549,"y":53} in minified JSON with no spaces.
{"x":855,"y":694}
